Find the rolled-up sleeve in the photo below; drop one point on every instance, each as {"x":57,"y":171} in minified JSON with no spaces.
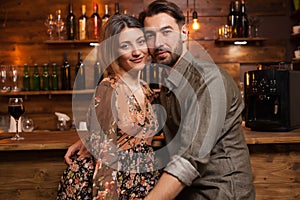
{"x":182,"y":169}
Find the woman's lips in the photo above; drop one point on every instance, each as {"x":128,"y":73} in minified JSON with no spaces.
{"x":137,"y":60}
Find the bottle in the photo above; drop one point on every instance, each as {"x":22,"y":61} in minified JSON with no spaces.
{"x":231,"y":17}
{"x":117,"y":8}
{"x":95,"y":23}
{"x":106,"y":14}
{"x":36,"y":78}
{"x":237,"y":20}
{"x":244,"y":21}
{"x":45,"y":78}
{"x":54,"y":77}
{"x":71,"y":24}
{"x":82,"y":24}
{"x":97,"y":73}
{"x":65,"y":74}
{"x":26,"y":78}
{"x":80,"y":73}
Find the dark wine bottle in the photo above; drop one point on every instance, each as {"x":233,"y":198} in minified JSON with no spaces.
{"x":244,"y":21}
{"x":95,"y":23}
{"x":237,"y":20}
{"x":97,"y":73}
{"x":71,"y":24}
{"x":82,"y":24}
{"x":80,"y":73}
{"x":65,"y":74}
{"x":117,"y":8}
{"x":54,"y":77}
{"x":231,"y":18}
{"x":106,"y":15}
{"x":36,"y":81}
{"x":26,"y":78}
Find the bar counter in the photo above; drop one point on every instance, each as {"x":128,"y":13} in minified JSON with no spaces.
{"x":51,"y":140}
{"x":31,"y":168}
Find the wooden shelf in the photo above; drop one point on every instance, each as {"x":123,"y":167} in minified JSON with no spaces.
{"x":71,"y":41}
{"x":50,"y":92}
{"x":230,"y":41}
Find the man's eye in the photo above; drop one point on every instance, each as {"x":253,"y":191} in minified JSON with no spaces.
{"x":149,"y":36}
{"x":166,"y":32}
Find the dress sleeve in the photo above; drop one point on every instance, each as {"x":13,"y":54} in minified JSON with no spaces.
{"x":103,"y":139}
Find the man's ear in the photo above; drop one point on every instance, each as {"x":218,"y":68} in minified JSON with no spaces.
{"x":184,"y":32}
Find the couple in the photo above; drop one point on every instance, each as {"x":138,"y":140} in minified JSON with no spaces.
{"x":208,"y":156}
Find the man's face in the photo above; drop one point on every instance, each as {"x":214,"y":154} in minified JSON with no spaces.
{"x":163,"y":36}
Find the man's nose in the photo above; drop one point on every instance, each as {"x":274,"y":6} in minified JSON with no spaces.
{"x":159,"y":41}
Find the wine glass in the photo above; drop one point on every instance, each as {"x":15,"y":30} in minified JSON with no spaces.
{"x":51,"y":26}
{"x":16,"y":109}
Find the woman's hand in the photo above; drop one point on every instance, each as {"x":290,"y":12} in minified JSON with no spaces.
{"x":77,"y":148}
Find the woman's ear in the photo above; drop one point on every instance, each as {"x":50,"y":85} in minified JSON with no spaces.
{"x":184,"y":32}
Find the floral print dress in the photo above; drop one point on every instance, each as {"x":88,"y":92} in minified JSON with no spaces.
{"x":128,"y":171}
{"x":120,"y":141}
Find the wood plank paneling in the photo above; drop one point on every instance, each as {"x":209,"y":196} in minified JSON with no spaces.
{"x":22,"y":36}
{"x":30,"y":174}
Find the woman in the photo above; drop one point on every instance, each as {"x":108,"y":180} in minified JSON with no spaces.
{"x":120,"y":140}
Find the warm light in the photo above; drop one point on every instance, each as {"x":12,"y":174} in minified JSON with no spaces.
{"x":196,"y":24}
{"x":94,"y":44}
{"x":240,"y":42}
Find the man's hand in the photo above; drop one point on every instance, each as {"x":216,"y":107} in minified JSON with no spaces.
{"x":78,"y":147}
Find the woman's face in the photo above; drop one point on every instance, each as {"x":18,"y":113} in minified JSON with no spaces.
{"x":133,"y":51}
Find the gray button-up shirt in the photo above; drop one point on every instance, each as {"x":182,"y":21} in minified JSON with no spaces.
{"x":208,"y":152}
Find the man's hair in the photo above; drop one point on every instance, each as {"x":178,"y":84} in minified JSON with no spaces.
{"x":163,"y":6}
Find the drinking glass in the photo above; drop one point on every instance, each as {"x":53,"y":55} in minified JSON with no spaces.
{"x":51,"y":26}
{"x":16,"y":109}
{"x":3,"y":76}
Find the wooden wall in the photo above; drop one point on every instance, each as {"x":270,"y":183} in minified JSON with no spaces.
{"x":23,"y":36}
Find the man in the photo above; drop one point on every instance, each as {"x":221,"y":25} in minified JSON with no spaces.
{"x":209,"y":155}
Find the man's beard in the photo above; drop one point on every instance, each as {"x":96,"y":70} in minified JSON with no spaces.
{"x":174,"y":56}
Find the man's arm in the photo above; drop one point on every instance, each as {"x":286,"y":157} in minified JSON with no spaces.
{"x":168,"y":187}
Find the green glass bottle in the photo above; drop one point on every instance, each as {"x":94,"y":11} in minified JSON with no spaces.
{"x":36,"y":79}
{"x":45,"y":78}
{"x":54,"y":78}
{"x":26,"y":78}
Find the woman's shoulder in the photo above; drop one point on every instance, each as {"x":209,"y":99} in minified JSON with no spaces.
{"x":105,"y":86}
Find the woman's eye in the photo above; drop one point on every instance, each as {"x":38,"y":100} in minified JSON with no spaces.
{"x":141,"y":42}
{"x":124,"y":46}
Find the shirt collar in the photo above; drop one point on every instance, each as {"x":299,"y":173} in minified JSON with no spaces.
{"x":176,"y":76}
